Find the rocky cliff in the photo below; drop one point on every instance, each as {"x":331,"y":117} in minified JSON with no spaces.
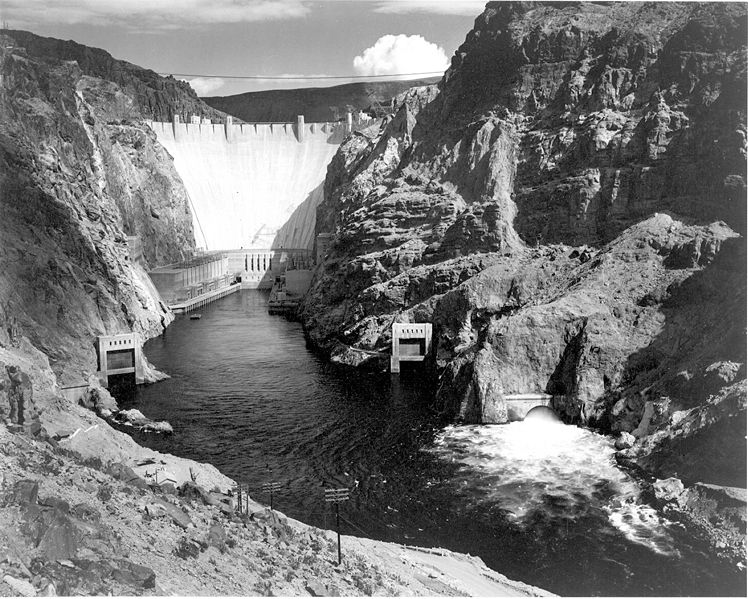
{"x":567,"y":206}
{"x":156,"y":98}
{"x":79,"y":174}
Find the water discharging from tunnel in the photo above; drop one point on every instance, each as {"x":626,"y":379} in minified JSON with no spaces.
{"x":559,"y":469}
{"x":543,"y":503}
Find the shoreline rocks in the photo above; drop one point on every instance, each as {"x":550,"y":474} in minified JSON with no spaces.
{"x":123,"y":540}
{"x":135,"y":418}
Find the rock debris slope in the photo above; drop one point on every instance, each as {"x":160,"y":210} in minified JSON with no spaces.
{"x":567,"y":206}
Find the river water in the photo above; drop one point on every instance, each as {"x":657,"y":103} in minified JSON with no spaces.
{"x":539,"y":502}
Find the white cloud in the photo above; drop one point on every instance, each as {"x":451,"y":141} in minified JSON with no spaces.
{"x":204,"y":86}
{"x":148,"y":14}
{"x":444,"y":7}
{"x":401,"y":54}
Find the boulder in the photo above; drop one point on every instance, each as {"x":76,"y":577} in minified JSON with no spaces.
{"x":47,"y":588}
{"x":194,"y":492}
{"x":61,"y":538}
{"x":25,"y":492}
{"x":137,"y":419}
{"x":133,"y":575}
{"x":625,"y":441}
{"x":668,"y":490}
{"x":273,"y":522}
{"x":132,"y":417}
{"x":98,"y":400}
{"x":157,"y":427}
{"x":15,"y":567}
{"x":55,"y":503}
{"x":126,"y":474}
{"x":315,"y":588}
{"x":187,"y":548}
{"x":159,"y":508}
{"x":105,"y":492}
{"x":22,"y":588}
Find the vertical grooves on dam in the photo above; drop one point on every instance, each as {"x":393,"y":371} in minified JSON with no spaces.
{"x":254,"y":184}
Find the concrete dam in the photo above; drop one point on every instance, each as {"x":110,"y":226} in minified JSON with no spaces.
{"x":252,"y":185}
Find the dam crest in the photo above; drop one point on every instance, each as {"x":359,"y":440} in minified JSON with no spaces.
{"x":252,"y":185}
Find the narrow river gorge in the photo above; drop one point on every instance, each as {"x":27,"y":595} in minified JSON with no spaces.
{"x":542,"y":503}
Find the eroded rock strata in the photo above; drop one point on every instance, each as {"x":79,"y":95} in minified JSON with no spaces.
{"x":567,"y":206}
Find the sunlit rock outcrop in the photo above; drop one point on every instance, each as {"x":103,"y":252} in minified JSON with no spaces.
{"x":567,"y":207}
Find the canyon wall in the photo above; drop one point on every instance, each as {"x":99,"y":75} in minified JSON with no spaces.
{"x":80,"y":172}
{"x":252,"y":185}
{"x":567,"y":206}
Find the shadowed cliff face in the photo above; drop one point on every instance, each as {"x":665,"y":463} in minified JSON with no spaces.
{"x":79,"y":172}
{"x":556,"y":206}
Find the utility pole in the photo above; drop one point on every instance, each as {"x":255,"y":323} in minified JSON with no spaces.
{"x":337,"y":496}
{"x":271,"y":488}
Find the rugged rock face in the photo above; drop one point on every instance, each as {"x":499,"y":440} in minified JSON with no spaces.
{"x":79,"y":173}
{"x":567,"y":207}
{"x":155,"y":97}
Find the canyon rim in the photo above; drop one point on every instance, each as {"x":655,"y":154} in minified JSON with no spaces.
{"x":560,"y":218}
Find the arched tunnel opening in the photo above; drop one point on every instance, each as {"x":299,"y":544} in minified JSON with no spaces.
{"x":542,"y":414}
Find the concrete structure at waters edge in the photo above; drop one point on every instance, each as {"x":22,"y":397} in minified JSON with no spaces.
{"x":253,"y":185}
{"x":258,"y":268}
{"x":191,"y":279}
{"x":120,"y":354}
{"x":411,"y":342}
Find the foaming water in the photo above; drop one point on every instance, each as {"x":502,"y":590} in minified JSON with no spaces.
{"x":563,"y":470}
{"x":540,"y":503}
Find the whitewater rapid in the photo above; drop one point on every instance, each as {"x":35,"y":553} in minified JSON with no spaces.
{"x":559,"y":470}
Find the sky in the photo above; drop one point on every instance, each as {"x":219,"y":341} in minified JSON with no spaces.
{"x":261,"y":38}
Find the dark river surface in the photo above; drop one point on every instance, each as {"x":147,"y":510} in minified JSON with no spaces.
{"x":538,"y":502}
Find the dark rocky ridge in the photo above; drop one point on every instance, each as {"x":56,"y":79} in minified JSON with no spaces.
{"x":155,"y":97}
{"x":568,"y":207}
{"x":79,"y":172}
{"x":316,"y":104}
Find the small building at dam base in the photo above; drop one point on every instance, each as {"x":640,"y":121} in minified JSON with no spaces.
{"x":192,"y":283}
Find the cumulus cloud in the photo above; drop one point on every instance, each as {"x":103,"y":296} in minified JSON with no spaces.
{"x":204,"y":86}
{"x":443,"y":7}
{"x":395,"y":54}
{"x":148,"y":14}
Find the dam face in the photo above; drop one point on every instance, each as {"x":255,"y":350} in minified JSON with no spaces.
{"x":252,"y":185}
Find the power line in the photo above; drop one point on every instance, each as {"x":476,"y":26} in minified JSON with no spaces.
{"x":302,"y":77}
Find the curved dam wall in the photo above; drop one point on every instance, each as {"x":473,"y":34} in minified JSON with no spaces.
{"x":252,"y":185}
